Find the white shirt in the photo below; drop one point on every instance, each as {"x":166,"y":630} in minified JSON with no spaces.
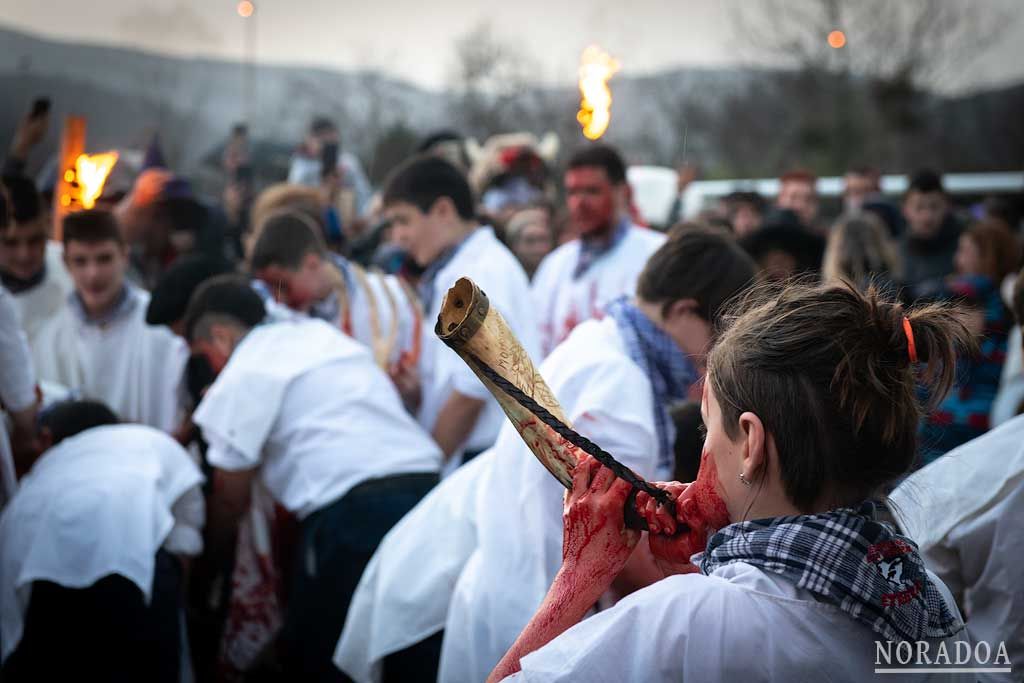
{"x":494,"y":269}
{"x":563,"y":302}
{"x":964,"y":510}
{"x":608,"y":399}
{"x":17,"y":386}
{"x":99,"y":503}
{"x":498,"y":571}
{"x":134,"y":368}
{"x":739,"y":624}
{"x":306,"y":404}
{"x":39,"y":304}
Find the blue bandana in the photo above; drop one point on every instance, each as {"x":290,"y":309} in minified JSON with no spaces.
{"x":847,"y":559}
{"x":593,"y":248}
{"x":670,"y":371}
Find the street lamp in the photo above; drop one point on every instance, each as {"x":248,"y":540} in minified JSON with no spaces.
{"x":247,"y":10}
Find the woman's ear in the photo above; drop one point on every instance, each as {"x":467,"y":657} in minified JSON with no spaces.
{"x":754,"y":462}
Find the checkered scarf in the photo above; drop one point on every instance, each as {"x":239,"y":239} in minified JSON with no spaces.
{"x":847,"y":559}
{"x":670,"y":371}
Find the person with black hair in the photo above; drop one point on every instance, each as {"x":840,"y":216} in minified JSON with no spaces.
{"x":930,"y":242}
{"x":92,"y":552}
{"x":575,"y":281}
{"x":304,"y":409}
{"x":31,"y":265}
{"x":99,"y":342}
{"x":431,"y":208}
{"x":615,"y":378}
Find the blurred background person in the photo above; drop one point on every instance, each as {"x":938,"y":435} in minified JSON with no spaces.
{"x":745,"y":212}
{"x":860,"y":251}
{"x":798,"y":192}
{"x":529,"y":233}
{"x":932,"y":235}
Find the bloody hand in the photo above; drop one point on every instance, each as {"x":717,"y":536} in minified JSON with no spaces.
{"x":595,"y":542}
{"x":700,"y":511}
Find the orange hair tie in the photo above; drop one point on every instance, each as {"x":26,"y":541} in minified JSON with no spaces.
{"x":911,"y":347}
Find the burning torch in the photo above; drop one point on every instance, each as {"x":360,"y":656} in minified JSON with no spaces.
{"x":596,"y":68}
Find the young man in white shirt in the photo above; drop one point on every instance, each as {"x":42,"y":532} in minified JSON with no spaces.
{"x":431,"y":209}
{"x":99,"y":342}
{"x":304,"y":408}
{"x":91,"y":552}
{"x":31,"y":266}
{"x":576,"y":280}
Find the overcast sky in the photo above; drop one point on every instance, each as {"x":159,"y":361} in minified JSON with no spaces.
{"x":414,"y":39}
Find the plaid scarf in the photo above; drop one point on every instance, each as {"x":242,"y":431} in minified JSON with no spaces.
{"x":593,"y":248}
{"x":847,"y":559}
{"x":670,"y":371}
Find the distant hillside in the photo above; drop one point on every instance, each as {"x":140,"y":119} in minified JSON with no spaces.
{"x":733,"y":122}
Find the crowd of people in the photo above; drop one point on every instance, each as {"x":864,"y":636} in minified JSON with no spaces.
{"x":234,"y":448}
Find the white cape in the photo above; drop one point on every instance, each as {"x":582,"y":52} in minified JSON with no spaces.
{"x":134,"y":368}
{"x":98,"y":503}
{"x":562,"y":301}
{"x":964,"y":511}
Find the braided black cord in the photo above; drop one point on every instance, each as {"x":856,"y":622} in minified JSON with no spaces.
{"x":575,"y":438}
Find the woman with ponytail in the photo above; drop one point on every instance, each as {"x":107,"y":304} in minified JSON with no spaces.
{"x":811,"y":411}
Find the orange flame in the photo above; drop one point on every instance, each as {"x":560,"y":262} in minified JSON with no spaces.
{"x":91,"y":171}
{"x":596,"y":69}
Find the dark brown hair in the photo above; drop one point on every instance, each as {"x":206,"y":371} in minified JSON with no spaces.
{"x":700,"y":264}
{"x":91,"y":226}
{"x":827,"y":370}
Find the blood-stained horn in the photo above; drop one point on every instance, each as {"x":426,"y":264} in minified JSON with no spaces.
{"x":479,"y":334}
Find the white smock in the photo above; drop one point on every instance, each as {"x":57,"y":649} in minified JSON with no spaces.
{"x":96,"y":504}
{"x":964,"y":510}
{"x":562,"y":301}
{"x":739,"y":624}
{"x":135,"y":369}
{"x":17,"y":387}
{"x":496,"y":271}
{"x":36,"y":305}
{"x":306,"y":404}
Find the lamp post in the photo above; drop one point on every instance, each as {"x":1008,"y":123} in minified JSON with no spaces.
{"x":247,"y":10}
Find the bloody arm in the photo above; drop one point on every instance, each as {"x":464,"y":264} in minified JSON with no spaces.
{"x":595,"y":546}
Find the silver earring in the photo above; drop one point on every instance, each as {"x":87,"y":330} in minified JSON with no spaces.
{"x":743,"y":479}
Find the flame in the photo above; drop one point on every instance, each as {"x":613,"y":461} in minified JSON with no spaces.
{"x":596,"y":69}
{"x":91,"y":171}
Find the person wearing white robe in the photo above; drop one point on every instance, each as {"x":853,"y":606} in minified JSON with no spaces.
{"x":41,"y":302}
{"x":17,"y":392}
{"x":99,"y":343}
{"x":430,"y":206}
{"x":964,"y":511}
{"x":31,"y":266}
{"x":794,"y":584}
{"x":303,"y":407}
{"x":109,"y":501}
{"x":575,"y":281}
{"x":485,"y":585}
